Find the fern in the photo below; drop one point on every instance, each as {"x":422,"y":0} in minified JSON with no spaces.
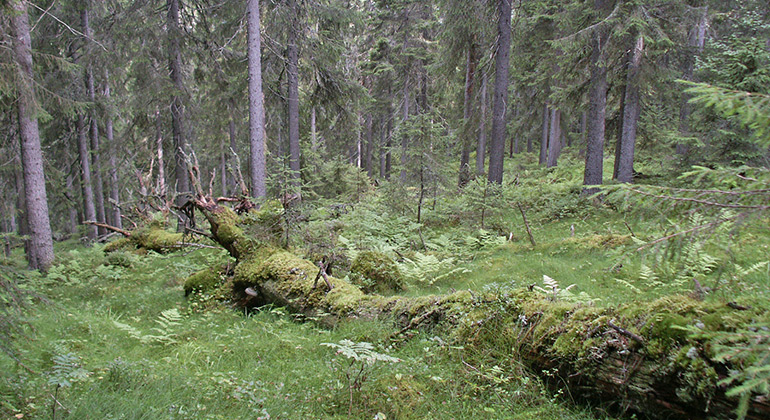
{"x":748,"y":350}
{"x":552,"y":288}
{"x":165,"y":334}
{"x":66,"y":370}
{"x":428,"y":268}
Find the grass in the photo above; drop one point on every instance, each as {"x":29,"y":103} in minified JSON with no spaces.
{"x":209,"y":361}
{"x":223,"y":364}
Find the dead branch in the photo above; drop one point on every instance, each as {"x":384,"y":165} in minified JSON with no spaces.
{"x":625,"y":332}
{"x":123,"y":232}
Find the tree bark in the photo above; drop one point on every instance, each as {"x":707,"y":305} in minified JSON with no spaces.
{"x":369,"y":143}
{"x":161,"y":183}
{"x":116,"y":219}
{"x":89,"y":209}
{"x":96,"y":165}
{"x":497,"y":145}
{"x":257,"y":164}
{"x":72,"y":219}
{"x":404,"y":136}
{"x":544,"y":136}
{"x":181,"y":176}
{"x":467,"y":134}
{"x":554,"y":139}
{"x":631,"y":109}
{"x":481,"y":146}
{"x":292,"y":56}
{"x":233,"y":148}
{"x":41,"y":240}
{"x":594,"y":121}
{"x":695,"y":44}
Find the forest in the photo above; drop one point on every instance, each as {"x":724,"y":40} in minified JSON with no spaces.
{"x":385,"y":209}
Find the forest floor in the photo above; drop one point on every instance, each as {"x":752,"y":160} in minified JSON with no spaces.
{"x":115,"y":342}
{"x":112,"y":336}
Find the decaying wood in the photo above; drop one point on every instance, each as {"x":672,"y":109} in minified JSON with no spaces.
{"x":123,"y":232}
{"x":648,"y":366}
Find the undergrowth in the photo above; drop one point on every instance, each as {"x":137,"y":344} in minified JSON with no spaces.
{"x":122,"y":342}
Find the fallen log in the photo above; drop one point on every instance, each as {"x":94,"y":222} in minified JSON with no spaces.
{"x":635,"y":358}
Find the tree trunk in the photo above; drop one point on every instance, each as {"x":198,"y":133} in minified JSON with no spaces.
{"x":467,"y":133}
{"x":404,"y":136}
{"x":21,"y":203}
{"x":625,"y":160}
{"x":72,"y":220}
{"x":695,"y":44}
{"x":96,"y":165}
{"x":177,"y":109}
{"x":89,"y":209}
{"x":257,"y":163}
{"x":388,"y":147}
{"x":554,"y":139}
{"x":234,"y":165}
{"x":594,"y":121}
{"x":161,"y":183}
{"x":544,"y":136}
{"x":113,"y":163}
{"x":515,"y":146}
{"x":292,"y":52}
{"x":497,"y":145}
{"x":369,"y":143}
{"x":481,"y":146}
{"x":41,"y":240}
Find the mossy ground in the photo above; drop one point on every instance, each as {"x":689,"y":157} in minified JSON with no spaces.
{"x":225,"y":364}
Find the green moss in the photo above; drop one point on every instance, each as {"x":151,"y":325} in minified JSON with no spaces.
{"x":119,"y":258}
{"x":374,"y":271}
{"x":119,"y":244}
{"x":203,"y":281}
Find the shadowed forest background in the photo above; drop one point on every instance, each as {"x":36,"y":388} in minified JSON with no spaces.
{"x":385,"y":209}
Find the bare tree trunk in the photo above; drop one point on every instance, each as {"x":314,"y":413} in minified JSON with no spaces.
{"x":41,"y":240}
{"x":470,"y":71}
{"x":233,"y":147}
{"x":89,"y":209}
{"x":388,"y":146}
{"x":21,"y":202}
{"x":292,"y":52}
{"x":594,"y":122}
{"x":544,"y":136}
{"x":369,"y":143}
{"x":625,"y":160}
{"x":161,"y":184}
{"x":96,"y":166}
{"x":554,"y":139}
{"x":113,"y":163}
{"x":515,"y":146}
{"x":383,"y":145}
{"x":404,"y":137}
{"x":481,"y":146}
{"x":181,"y":176}
{"x":359,"y":140}
{"x":223,"y":153}
{"x":695,"y":44}
{"x":497,"y":146}
{"x":72,"y":207}
{"x":257,"y":164}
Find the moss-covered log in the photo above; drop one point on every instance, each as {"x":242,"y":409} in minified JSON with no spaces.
{"x":640,"y":357}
